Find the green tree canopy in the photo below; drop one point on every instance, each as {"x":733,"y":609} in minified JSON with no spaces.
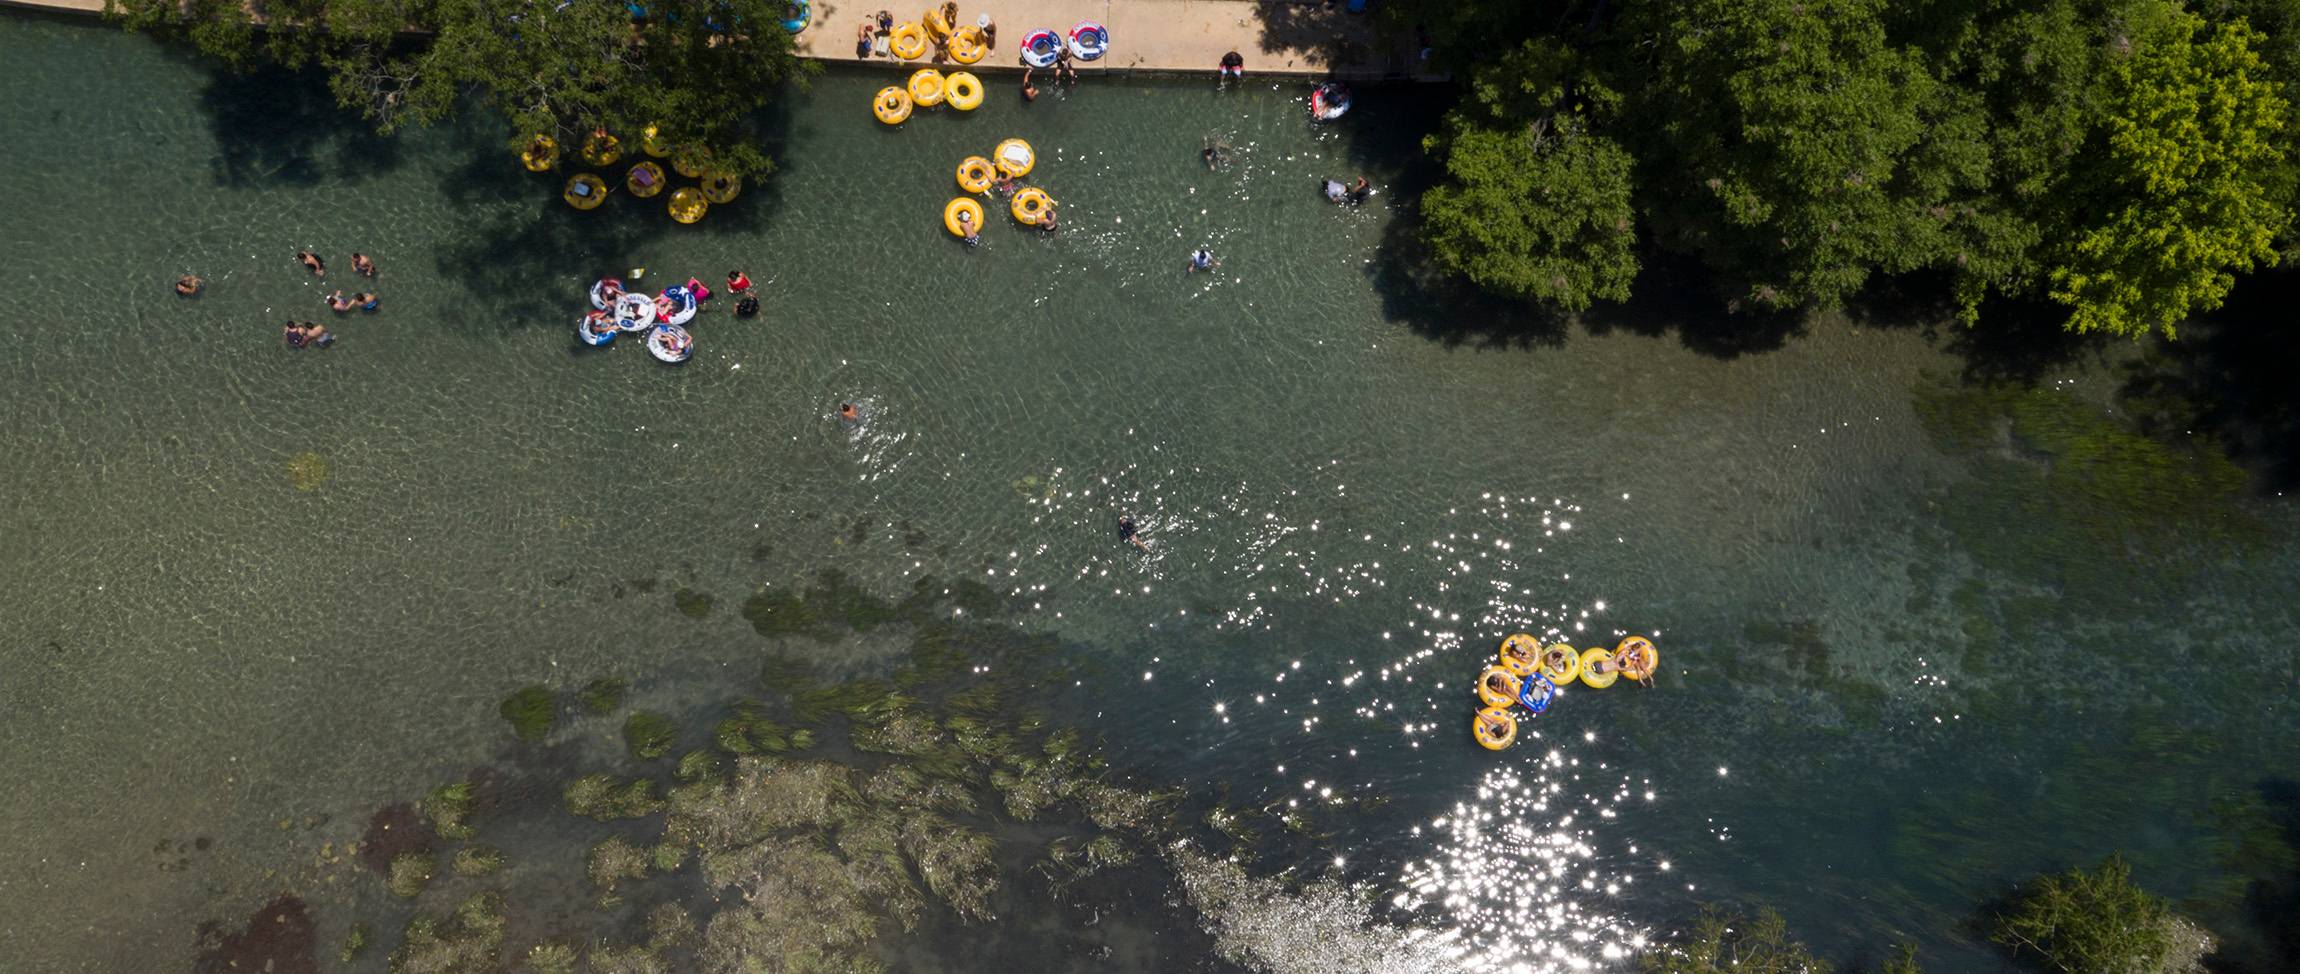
{"x":694,"y":68}
{"x":1776,"y":137}
{"x":2181,"y":196}
{"x":2100,"y":922}
{"x":1534,"y":205}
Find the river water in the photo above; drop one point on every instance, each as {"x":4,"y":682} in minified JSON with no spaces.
{"x":252,"y":594}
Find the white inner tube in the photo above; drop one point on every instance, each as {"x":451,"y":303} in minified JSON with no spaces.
{"x":658,"y":343}
{"x":635,"y":312}
{"x":1088,"y":41}
{"x":583,"y":331}
{"x":682,"y":308}
{"x":1041,"y":59}
{"x":599,"y":293}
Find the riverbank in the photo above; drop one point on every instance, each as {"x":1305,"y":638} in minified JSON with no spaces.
{"x":1298,"y":39}
{"x":1291,"y":39}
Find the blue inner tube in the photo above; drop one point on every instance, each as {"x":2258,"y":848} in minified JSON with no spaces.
{"x":1040,"y":48}
{"x":682,"y":303}
{"x":583,"y":331}
{"x":1089,"y":41}
{"x":798,"y":22}
{"x":1535,"y":692}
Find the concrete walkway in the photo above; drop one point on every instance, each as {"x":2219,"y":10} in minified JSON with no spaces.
{"x":1280,"y":37}
{"x":1285,"y":37}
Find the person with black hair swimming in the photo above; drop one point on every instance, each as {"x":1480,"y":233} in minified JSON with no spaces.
{"x":746,"y":306}
{"x":1202,"y":259}
{"x":1130,"y":534}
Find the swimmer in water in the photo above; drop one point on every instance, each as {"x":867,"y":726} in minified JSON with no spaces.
{"x":361,"y":264}
{"x":311,"y":262}
{"x":738,"y":282}
{"x":189,"y":285}
{"x":1202,"y":260}
{"x":849,"y":413}
{"x":338,"y":303}
{"x":1359,"y":192}
{"x":1130,"y":534}
{"x":746,"y":306}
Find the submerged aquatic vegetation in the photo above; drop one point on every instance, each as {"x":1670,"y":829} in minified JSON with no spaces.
{"x":649,"y":735}
{"x":472,"y":862}
{"x":470,"y":940}
{"x":550,"y":959}
{"x":610,"y":863}
{"x":1722,"y":942}
{"x":692,"y":604}
{"x":446,"y":809}
{"x":307,"y":470}
{"x":603,"y":695}
{"x":605,"y":797}
{"x":410,"y":872}
{"x":2064,"y":494}
{"x":355,"y":941}
{"x":530,"y":711}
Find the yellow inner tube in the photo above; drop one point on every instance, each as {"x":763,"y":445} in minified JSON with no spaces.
{"x":892,"y":105}
{"x":975,"y":174}
{"x":968,"y":46}
{"x":540,"y":154}
{"x":602,"y":150}
{"x":1521,"y":653}
{"x":963,"y":90}
{"x":1564,"y":668}
{"x":926,"y":87}
{"x":950,"y":212}
{"x":907,"y":41}
{"x":1030,"y":203}
{"x":1589,"y":675}
{"x":937,"y":25}
{"x":1640,"y":669}
{"x":1492,"y":697}
{"x":645,"y":190}
{"x":1014,"y":158}
{"x":585,"y":201}
{"x":1490,"y":739}
{"x":721,"y":187}
{"x":688,"y":205}
{"x":653,"y":143}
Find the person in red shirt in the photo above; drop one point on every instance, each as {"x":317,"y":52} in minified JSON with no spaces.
{"x":738,"y":282}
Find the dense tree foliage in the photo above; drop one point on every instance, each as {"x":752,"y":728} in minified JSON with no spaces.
{"x":2125,"y":158}
{"x":2099,"y":922}
{"x":694,"y":68}
{"x":1536,"y":206}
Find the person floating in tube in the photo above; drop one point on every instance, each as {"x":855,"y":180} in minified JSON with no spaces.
{"x":1558,"y":659}
{"x":1494,"y":723}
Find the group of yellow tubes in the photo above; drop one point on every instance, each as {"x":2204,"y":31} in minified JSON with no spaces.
{"x":965,"y":43}
{"x":687,"y":203}
{"x":1522,"y":656}
{"x":1015,"y":160}
{"x":928,"y":88}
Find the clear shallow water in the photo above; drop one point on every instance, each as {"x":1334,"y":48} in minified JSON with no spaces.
{"x":196,"y":648}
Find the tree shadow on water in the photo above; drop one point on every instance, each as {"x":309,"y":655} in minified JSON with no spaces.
{"x":2229,"y":376}
{"x":1675,"y":295}
{"x":276,"y":127}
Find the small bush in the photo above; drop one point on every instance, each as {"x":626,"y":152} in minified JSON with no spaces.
{"x":603,"y":695}
{"x":410,"y":871}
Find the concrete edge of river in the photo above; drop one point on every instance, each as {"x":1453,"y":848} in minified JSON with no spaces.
{"x":1287,"y":38}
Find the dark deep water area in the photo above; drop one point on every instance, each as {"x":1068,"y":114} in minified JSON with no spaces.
{"x":1923,"y":636}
